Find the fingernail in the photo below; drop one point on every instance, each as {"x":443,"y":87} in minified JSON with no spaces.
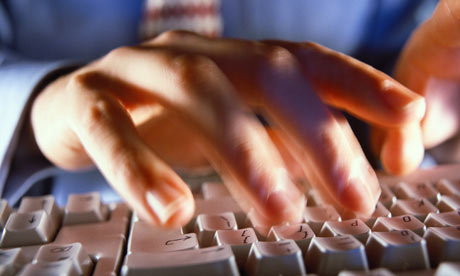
{"x":285,"y":209}
{"x":171,"y":207}
{"x":401,"y":98}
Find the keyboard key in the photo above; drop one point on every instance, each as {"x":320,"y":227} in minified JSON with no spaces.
{"x":103,"y":241}
{"x":64,"y":268}
{"x":443,"y":244}
{"x":387,"y":197}
{"x":217,"y":206}
{"x":218,"y":260}
{"x":28,"y":229}
{"x":354,"y":227}
{"x":449,"y":203}
{"x":84,"y":208}
{"x":380,"y":211}
{"x":275,"y":258}
{"x":207,"y":225}
{"x":416,"y":190}
{"x":443,"y":219}
{"x":301,"y":233}
{"x":146,"y":238}
{"x":448,"y":187}
{"x":46,"y":203}
{"x":212,"y":190}
{"x":448,"y":268}
{"x":398,"y":250}
{"x":328,"y":256}
{"x":418,"y":208}
{"x":399,"y":223}
{"x":240,"y":241}
{"x":5,"y":211}
{"x":10,"y":261}
{"x":373,"y":272}
{"x":58,"y":253}
{"x":318,"y":215}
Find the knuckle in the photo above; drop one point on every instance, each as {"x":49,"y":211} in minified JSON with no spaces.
{"x":171,"y":36}
{"x":279,"y":56}
{"x":118,"y":53}
{"x":192,"y":69}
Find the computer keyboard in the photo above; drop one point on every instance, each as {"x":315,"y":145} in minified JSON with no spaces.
{"x":415,"y":230}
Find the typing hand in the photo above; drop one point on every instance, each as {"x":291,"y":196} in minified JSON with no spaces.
{"x":182,"y":99}
{"x":429,"y":65}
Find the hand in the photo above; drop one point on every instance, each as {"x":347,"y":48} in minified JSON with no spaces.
{"x":428,"y":65}
{"x":181,"y":100}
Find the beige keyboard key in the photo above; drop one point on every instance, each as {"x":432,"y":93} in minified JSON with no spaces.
{"x":240,"y":241}
{"x":212,"y":190}
{"x":387,"y":197}
{"x":449,"y":203}
{"x":373,"y":272}
{"x":275,"y":258}
{"x":57,"y":253}
{"x":216,"y":206}
{"x":448,"y":268}
{"x":443,"y":244}
{"x":28,"y":229}
{"x":104,"y":241}
{"x":5,"y":211}
{"x":207,"y":225}
{"x":443,"y":219}
{"x":399,"y":223}
{"x":301,"y":233}
{"x":85,"y":208}
{"x":398,"y":250}
{"x":328,"y":256}
{"x":146,"y":238}
{"x":354,"y":227}
{"x":11,"y":261}
{"x":448,"y":187}
{"x":318,"y":215}
{"x":64,"y":268}
{"x":380,"y":211}
{"x":418,"y":208}
{"x":416,"y":190}
{"x":218,"y":260}
{"x":47,"y":203}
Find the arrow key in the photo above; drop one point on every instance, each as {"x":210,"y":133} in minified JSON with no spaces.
{"x":28,"y":229}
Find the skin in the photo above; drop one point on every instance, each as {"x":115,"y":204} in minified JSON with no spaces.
{"x":185,"y":101}
{"x":428,"y":65}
